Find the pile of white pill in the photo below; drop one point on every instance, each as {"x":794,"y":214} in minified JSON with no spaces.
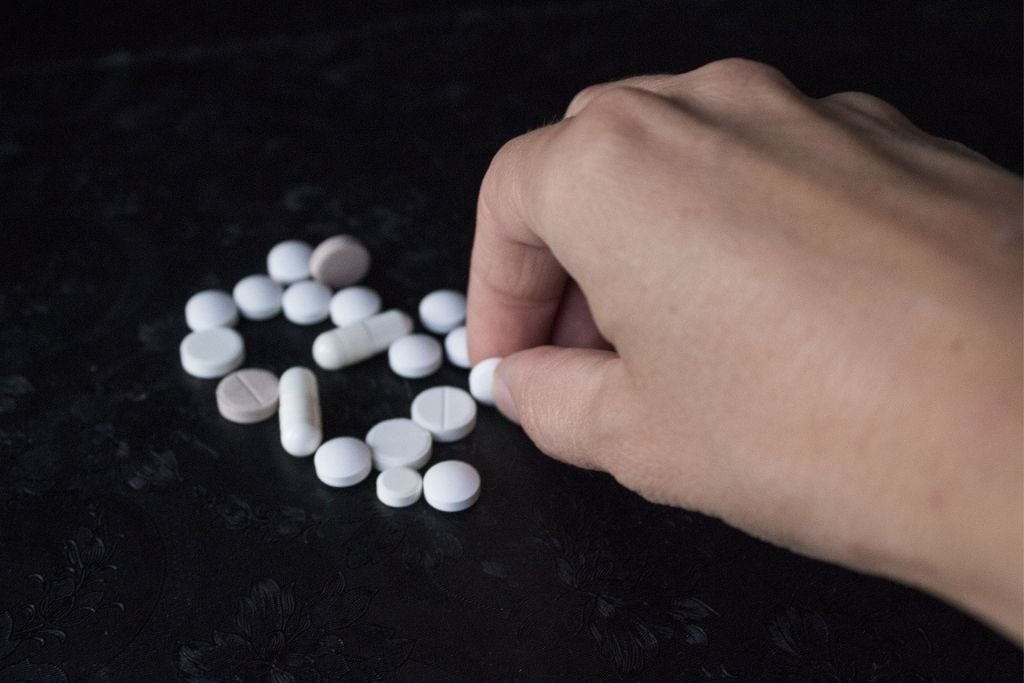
{"x":310,"y":286}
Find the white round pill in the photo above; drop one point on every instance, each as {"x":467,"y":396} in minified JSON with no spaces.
{"x":399,"y":487}
{"x":456,"y":348}
{"x":481,"y":380}
{"x":210,"y":308}
{"x":258,"y":297}
{"x":448,"y":413}
{"x":415,"y":356}
{"x":442,"y":311}
{"x":352,"y":304}
{"x":451,"y":486}
{"x":399,"y":442}
{"x":343,"y":461}
{"x":306,"y":302}
{"x":212,"y":353}
{"x":288,"y":261}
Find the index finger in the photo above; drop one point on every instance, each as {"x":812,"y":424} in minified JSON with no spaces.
{"x":515,"y":282}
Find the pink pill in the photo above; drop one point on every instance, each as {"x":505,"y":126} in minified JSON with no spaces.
{"x":339,"y":261}
{"x":247,"y":396}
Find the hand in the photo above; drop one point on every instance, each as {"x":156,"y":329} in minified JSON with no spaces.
{"x":812,"y":312}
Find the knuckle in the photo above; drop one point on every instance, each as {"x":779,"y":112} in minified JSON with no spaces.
{"x":612,"y":125}
{"x":866,"y":103}
{"x":747,"y":84}
{"x":649,"y":83}
{"x":615,"y":106}
{"x":741,"y":71}
{"x":580,"y":100}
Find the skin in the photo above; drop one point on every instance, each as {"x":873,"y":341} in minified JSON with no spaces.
{"x":799,"y":315}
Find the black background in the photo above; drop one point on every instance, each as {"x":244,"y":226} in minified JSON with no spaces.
{"x":149,"y":150}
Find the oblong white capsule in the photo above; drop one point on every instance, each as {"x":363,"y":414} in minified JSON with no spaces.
{"x":353,"y":343}
{"x":299,"y":410}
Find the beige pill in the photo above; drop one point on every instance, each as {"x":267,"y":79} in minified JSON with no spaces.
{"x":247,"y":396}
{"x":339,"y":261}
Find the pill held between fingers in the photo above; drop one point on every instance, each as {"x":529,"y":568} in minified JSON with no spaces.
{"x":451,"y":486}
{"x":352,"y":304}
{"x":258,"y":297}
{"x":399,"y":442}
{"x":247,"y":396}
{"x":210,"y":308}
{"x":306,"y":302}
{"x":443,"y":310}
{"x":456,"y":347}
{"x":415,"y":356}
{"x":448,"y":413}
{"x":337,"y":348}
{"x":399,"y":487}
{"x":481,"y":380}
{"x":212,"y":353}
{"x":288,"y":261}
{"x":339,"y":261}
{"x":299,"y":412}
{"x":343,"y":461}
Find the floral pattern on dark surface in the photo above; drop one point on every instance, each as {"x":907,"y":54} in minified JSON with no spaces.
{"x":583,"y":579}
{"x":421,"y":539}
{"x":55,"y":604}
{"x":267,"y":521}
{"x":85,"y":450}
{"x":86,"y":458}
{"x":274,"y":637}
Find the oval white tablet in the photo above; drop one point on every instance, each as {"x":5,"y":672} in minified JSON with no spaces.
{"x":456,"y":347}
{"x":481,"y":380}
{"x":415,"y":356}
{"x":399,"y":487}
{"x":258,"y":297}
{"x":306,"y":302}
{"x":352,"y":304}
{"x":210,"y":308}
{"x":399,"y":442}
{"x":448,"y":413}
{"x":343,"y":461}
{"x":212,"y":353}
{"x":451,"y":486}
{"x":288,"y":261}
{"x":443,"y":310}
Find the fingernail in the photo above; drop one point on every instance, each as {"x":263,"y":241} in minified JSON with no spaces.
{"x":503,"y":397}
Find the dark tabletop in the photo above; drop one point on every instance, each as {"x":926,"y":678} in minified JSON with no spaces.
{"x":153,"y":151}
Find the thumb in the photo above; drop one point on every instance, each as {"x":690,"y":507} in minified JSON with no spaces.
{"x":568,"y":400}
